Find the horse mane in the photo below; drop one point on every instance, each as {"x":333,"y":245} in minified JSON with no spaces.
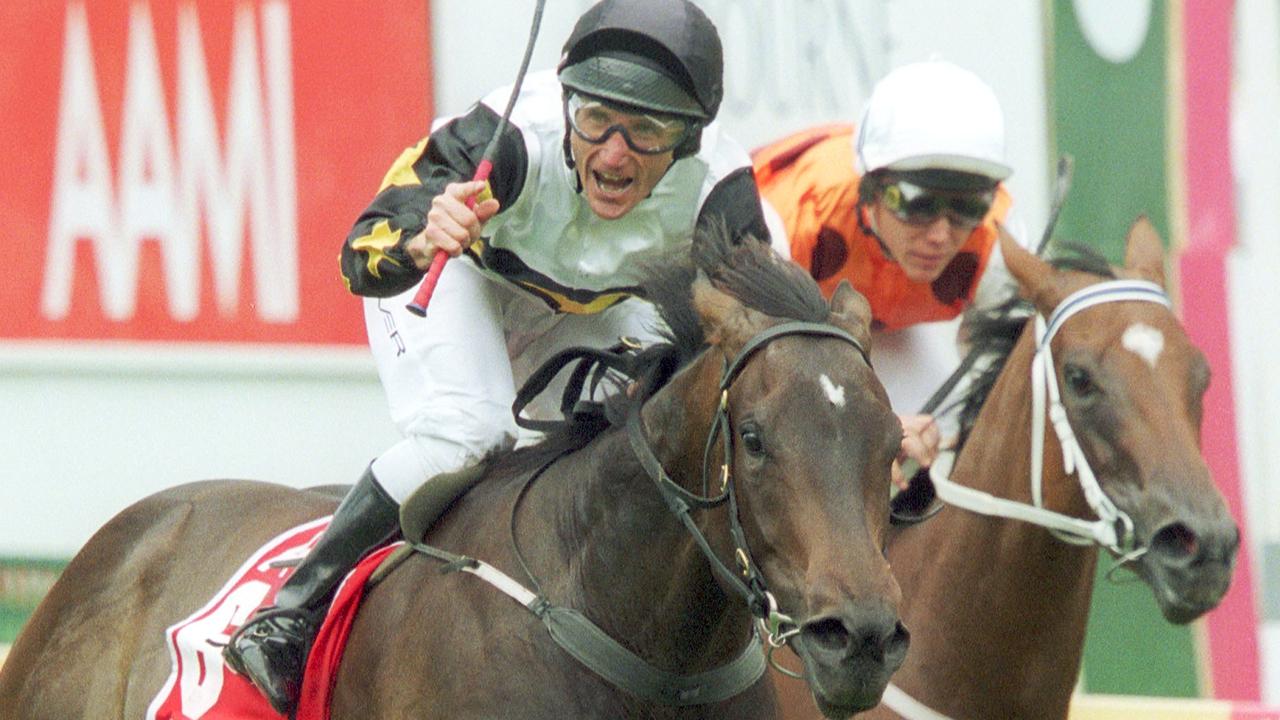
{"x":747,"y":269}
{"x":995,"y":331}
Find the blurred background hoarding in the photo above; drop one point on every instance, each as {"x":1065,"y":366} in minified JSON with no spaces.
{"x":181,"y":175}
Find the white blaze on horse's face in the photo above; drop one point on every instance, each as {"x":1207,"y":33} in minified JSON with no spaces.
{"x":834,"y":394}
{"x":1145,"y":341}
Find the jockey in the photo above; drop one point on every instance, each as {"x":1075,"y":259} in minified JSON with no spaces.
{"x":905,"y":207}
{"x":605,"y":164}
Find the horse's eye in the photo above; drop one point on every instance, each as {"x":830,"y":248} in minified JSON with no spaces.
{"x":1079,"y":381}
{"x":751,"y":441}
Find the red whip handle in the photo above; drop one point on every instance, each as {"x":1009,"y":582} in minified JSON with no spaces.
{"x":428,"y":287}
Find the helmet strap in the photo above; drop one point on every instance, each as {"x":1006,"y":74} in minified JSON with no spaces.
{"x":865,"y":224}
{"x":691,"y":145}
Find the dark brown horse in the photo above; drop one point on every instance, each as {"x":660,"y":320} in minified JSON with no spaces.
{"x":760,"y":361}
{"x":998,"y":606}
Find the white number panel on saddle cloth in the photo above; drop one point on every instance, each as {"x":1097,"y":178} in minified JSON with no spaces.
{"x":201,"y":687}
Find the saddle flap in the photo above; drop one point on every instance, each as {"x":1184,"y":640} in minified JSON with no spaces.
{"x":421,"y":510}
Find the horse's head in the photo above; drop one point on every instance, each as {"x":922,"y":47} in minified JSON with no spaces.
{"x":1132,"y":384}
{"x":812,"y":440}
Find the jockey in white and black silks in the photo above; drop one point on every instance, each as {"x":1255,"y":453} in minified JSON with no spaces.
{"x":606,"y":163}
{"x":547,"y":271}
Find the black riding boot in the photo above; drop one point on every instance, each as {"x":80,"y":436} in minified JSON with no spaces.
{"x":271,"y":648}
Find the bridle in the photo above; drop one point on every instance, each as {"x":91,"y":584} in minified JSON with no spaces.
{"x":1113,"y":528}
{"x":747,"y":582}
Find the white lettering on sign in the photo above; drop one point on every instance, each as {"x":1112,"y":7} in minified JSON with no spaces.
{"x":241,"y":188}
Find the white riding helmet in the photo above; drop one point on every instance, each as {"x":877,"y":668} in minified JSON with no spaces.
{"x":933,"y":115}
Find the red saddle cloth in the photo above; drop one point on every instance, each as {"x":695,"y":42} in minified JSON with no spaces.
{"x":201,"y":687}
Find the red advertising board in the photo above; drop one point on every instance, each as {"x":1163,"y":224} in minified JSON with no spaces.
{"x":184,"y":172}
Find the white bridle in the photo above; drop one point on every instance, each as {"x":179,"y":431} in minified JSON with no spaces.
{"x":1044,"y":385}
{"x":1113,"y":529}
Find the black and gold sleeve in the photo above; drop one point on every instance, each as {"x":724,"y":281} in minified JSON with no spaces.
{"x":373,"y":260}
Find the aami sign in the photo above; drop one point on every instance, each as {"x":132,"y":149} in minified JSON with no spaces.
{"x":183,"y":171}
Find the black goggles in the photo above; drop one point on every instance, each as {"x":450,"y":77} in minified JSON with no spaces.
{"x":916,"y":205}
{"x":647,"y":133}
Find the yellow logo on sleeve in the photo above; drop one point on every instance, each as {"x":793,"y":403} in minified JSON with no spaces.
{"x":376,"y":244}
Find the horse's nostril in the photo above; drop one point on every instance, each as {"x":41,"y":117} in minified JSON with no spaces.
{"x":1176,"y":540}
{"x":828,"y":633}
{"x":878,"y":640}
{"x":900,"y":640}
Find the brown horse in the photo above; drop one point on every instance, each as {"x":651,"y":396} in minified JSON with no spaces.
{"x":998,"y":606}
{"x":759,"y":364}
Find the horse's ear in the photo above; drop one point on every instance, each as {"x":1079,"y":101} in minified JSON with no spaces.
{"x":851,"y":311}
{"x":1034,"y":276}
{"x":726,"y":322}
{"x":1144,"y":253}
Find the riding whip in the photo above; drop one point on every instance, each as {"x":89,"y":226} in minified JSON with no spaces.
{"x":428,"y":287}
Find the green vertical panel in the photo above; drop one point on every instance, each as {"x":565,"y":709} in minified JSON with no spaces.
{"x":1111,"y":117}
{"x":23,"y":583}
{"x":1130,"y":649}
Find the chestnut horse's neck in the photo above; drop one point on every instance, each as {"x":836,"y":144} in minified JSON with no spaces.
{"x":1009,"y":601}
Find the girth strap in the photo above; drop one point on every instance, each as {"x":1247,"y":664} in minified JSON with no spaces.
{"x":608,"y":658}
{"x":592,"y":647}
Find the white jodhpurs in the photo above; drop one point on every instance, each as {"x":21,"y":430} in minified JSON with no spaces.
{"x":451,"y":377}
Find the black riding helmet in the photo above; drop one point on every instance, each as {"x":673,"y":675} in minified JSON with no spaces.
{"x":660,"y":55}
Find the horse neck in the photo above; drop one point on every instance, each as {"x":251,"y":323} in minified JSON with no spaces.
{"x":1004,"y":602}
{"x":639,"y":572}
